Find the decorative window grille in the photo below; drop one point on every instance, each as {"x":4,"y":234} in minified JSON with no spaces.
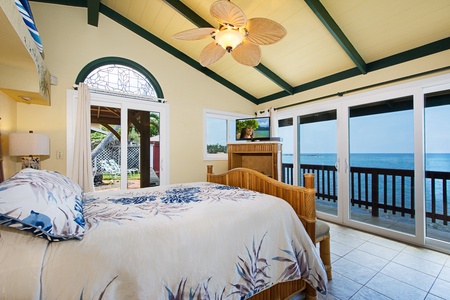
{"x":120,"y":79}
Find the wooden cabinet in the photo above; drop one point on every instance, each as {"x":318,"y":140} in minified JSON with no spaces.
{"x":264,"y":157}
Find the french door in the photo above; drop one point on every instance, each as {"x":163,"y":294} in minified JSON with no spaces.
{"x":133,"y":143}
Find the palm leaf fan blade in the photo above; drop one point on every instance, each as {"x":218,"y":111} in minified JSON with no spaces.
{"x":227,"y":13}
{"x":211,"y":53}
{"x":262,"y":31}
{"x":194,"y":34}
{"x":247,"y":54}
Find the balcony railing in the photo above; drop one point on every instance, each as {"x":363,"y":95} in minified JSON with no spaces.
{"x":389,"y":190}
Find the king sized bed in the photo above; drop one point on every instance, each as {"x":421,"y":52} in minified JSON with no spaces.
{"x":228,"y":238}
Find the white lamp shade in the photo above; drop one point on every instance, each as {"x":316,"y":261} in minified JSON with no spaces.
{"x":24,"y":144}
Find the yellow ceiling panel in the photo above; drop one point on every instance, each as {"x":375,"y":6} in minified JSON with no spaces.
{"x":309,"y":51}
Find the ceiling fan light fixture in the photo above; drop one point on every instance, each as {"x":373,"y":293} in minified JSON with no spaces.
{"x":237,"y":35}
{"x":229,"y":38}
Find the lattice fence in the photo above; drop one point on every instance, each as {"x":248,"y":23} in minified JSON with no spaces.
{"x":113,"y":152}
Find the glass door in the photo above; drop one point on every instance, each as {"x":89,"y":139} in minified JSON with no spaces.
{"x":317,"y":153}
{"x":437,"y":165}
{"x":286,"y":133}
{"x":105,"y":146}
{"x":143,"y":149}
{"x":129,"y":139}
{"x":381,"y":162}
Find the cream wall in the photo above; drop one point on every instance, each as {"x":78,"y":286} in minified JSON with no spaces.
{"x":8,"y":121}
{"x":70,"y":44}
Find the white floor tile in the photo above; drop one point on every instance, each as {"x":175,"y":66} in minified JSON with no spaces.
{"x":409,"y":276}
{"x":395,"y":289}
{"x":339,"y":249}
{"x":441,"y":288}
{"x":378,"y":250}
{"x":433,"y":297}
{"x":353,"y":271}
{"x":388,"y":243}
{"x":347,"y":239}
{"x":342,"y":287}
{"x":445,"y":274}
{"x":368,"y":260}
{"x":367,"y":267}
{"x":427,"y":254}
{"x":368,"y":294}
{"x":418,"y":264}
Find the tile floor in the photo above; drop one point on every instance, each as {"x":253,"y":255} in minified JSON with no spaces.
{"x":366,"y":266}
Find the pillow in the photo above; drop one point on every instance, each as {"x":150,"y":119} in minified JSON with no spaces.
{"x":45,"y":203}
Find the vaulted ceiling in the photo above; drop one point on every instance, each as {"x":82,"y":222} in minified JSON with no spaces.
{"x":326,"y":41}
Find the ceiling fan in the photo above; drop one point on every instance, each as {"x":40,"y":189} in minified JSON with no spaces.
{"x":236,"y":35}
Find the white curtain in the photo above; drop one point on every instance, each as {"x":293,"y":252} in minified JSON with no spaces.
{"x":82,"y":165}
{"x":273,"y":122}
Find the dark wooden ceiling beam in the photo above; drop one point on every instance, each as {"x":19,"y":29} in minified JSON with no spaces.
{"x":93,"y":7}
{"x":337,"y":33}
{"x":189,"y":14}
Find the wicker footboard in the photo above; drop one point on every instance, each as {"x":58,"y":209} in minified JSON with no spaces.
{"x":302,"y":199}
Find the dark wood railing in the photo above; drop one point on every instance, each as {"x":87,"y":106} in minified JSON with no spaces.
{"x":390,"y":190}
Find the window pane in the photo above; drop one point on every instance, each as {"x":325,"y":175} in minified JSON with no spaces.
{"x":216,"y":135}
{"x":121,"y":79}
{"x":381,"y":136}
{"x":437,"y":165}
{"x":317,"y":150}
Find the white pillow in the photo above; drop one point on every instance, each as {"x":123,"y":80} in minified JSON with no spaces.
{"x":45,"y":203}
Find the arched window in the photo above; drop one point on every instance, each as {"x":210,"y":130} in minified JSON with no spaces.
{"x":115,"y":75}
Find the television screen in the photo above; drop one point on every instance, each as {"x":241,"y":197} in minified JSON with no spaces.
{"x":253,"y":129}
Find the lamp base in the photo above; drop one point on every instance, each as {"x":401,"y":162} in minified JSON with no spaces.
{"x":31,"y":162}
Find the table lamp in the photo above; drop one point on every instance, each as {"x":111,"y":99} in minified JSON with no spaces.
{"x":29,"y":146}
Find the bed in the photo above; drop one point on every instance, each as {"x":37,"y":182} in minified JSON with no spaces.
{"x":227,"y":238}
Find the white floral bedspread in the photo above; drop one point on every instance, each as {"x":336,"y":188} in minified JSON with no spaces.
{"x":184,"y":241}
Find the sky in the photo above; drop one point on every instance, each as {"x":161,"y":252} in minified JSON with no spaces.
{"x":382,"y":133}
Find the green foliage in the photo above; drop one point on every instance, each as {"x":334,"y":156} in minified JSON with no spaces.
{"x":154,"y":124}
{"x":133,"y":135}
{"x":212,"y":149}
{"x":244,"y":124}
{"x":97,"y":137}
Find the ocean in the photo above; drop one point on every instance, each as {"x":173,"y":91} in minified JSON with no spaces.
{"x":405,"y":161}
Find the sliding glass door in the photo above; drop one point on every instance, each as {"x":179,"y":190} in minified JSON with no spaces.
{"x":381,"y":160}
{"x":381,"y":156}
{"x":437,"y":165}
{"x":317,"y":153}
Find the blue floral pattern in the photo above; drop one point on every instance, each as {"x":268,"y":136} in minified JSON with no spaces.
{"x":45,"y":203}
{"x":168,"y":201}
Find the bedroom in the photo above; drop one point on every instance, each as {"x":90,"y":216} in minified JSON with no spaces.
{"x":70,"y":44}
